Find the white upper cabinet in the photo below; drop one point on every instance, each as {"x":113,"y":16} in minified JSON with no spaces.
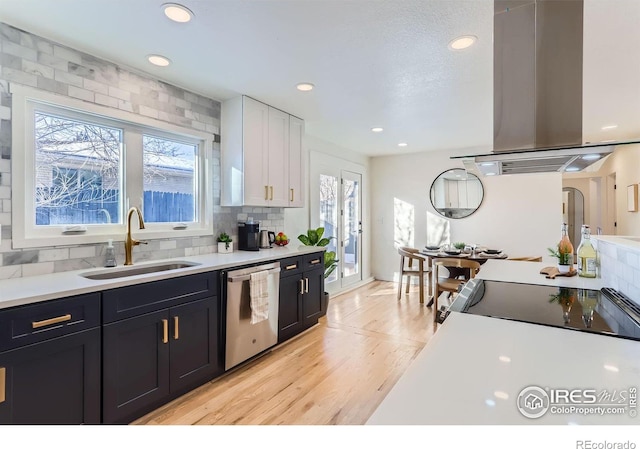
{"x":296,"y":134}
{"x":261,"y":155}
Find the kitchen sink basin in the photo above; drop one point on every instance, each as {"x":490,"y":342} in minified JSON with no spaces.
{"x":134,"y":271}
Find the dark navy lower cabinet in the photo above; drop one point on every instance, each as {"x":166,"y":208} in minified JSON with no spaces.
{"x":150,"y":359}
{"x":301,"y":301}
{"x":50,"y":369}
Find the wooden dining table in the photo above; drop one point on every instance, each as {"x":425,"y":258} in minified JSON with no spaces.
{"x":479,"y":256}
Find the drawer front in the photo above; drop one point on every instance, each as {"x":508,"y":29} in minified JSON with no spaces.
{"x":290,"y":266}
{"x":312,"y":261}
{"x":26,"y":325}
{"x":134,"y":300}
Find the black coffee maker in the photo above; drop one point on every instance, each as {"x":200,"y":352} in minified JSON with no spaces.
{"x":249,"y":235}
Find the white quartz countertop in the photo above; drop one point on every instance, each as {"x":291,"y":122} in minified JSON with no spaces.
{"x":27,"y":290}
{"x":474,"y":368}
{"x":529,"y":273}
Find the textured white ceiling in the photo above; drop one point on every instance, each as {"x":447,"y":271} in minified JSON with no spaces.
{"x":374,"y":63}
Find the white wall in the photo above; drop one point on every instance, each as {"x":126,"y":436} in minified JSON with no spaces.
{"x":625,"y":164}
{"x":520,"y":214}
{"x":297,"y":221}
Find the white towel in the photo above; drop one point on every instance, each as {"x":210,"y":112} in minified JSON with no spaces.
{"x":259,"y":293}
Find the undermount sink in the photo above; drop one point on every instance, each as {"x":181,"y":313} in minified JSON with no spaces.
{"x":133,"y":271}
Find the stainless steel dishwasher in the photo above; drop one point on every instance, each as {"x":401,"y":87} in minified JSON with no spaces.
{"x":243,"y":339}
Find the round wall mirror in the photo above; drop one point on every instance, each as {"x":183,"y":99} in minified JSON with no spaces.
{"x":456,"y":193}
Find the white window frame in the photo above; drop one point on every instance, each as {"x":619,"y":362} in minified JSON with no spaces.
{"x":25,"y":233}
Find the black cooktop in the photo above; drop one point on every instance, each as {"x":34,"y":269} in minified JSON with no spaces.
{"x":603,"y":311}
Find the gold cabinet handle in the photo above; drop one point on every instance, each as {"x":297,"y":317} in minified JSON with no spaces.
{"x":266,"y":192}
{"x":301,"y":286}
{"x":58,"y":319}
{"x":271,"y":188}
{"x":315,"y":261}
{"x":291,"y":195}
{"x":3,"y":384}
{"x":291,"y":267}
{"x":306,"y":285}
{"x":176,"y":332}
{"x":165,"y":331}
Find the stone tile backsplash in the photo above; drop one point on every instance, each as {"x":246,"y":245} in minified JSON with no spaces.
{"x":620,"y":268}
{"x":37,"y":62}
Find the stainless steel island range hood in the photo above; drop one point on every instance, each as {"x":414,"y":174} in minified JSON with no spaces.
{"x":537,"y":110}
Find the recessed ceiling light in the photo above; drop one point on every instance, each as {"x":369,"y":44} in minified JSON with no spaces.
{"x":158,"y":60}
{"x":591,"y":157}
{"x":611,"y":368}
{"x":504,"y":358}
{"x":402,"y":144}
{"x":177,"y":13}
{"x":377,"y":129}
{"x":305,"y":87}
{"x":462,"y":42}
{"x":607,"y":127}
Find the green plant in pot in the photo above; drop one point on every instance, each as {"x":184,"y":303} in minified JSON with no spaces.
{"x":564,"y":255}
{"x":224,"y":238}
{"x":314,"y":237}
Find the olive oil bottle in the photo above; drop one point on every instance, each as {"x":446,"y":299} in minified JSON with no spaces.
{"x":587,"y":256}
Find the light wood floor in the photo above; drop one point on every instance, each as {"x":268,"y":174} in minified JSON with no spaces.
{"x":335,"y":373}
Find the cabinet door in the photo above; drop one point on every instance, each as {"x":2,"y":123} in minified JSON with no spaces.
{"x":53,"y":382}
{"x":255,"y":138}
{"x":278,"y":160}
{"x":463,"y":194}
{"x":135,"y":366}
{"x":194,"y":353}
{"x":290,"y":306}
{"x":452,"y":193}
{"x":296,"y":169}
{"x":312,"y":300}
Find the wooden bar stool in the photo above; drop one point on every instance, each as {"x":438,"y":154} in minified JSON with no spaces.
{"x":407,"y":268}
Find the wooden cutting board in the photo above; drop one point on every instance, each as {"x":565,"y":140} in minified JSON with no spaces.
{"x":552,"y":272}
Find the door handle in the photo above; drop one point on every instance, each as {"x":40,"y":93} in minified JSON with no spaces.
{"x":271,"y":188}
{"x":266,"y":193}
{"x":176,"y":324}
{"x":306,"y":285}
{"x":165,"y":331}
{"x":301,"y":287}
{"x":291,"y":195}
{"x":3,"y":384}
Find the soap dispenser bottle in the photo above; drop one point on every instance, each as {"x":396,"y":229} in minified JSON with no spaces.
{"x":110,"y":255}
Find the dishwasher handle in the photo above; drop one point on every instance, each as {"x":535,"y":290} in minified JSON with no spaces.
{"x":246,"y":277}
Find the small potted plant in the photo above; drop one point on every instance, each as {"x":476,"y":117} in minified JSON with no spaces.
{"x":564,"y":255}
{"x":314,"y":237}
{"x":225,"y":244}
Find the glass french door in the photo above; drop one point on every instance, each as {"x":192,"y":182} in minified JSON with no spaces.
{"x":351,"y":253}
{"x":340,"y":213}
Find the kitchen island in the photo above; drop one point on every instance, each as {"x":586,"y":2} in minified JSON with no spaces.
{"x":478,"y":369}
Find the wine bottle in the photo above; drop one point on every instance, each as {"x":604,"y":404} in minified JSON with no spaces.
{"x":586,"y":255}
